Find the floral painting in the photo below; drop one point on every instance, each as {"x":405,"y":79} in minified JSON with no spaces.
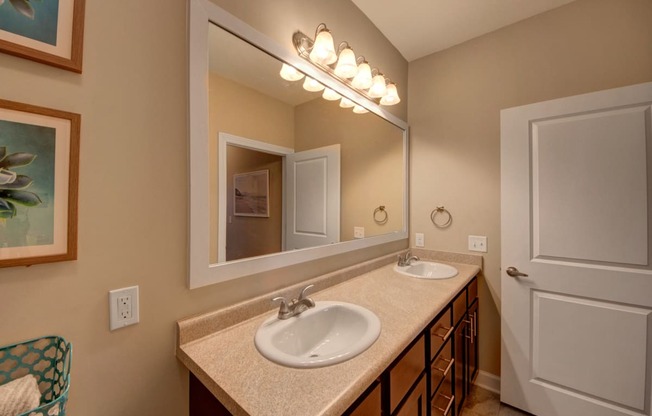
{"x":39,"y":164}
{"x":26,"y":181}
{"x":47,"y":31}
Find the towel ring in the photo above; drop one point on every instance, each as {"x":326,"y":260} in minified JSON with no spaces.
{"x":380,"y":215}
{"x":443,"y":211}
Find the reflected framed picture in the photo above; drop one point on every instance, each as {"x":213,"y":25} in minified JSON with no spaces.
{"x":39,"y":171}
{"x":251,"y":194}
{"x":47,"y":31}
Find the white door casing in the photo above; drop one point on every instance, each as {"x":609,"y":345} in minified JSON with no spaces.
{"x":576,"y":195}
{"x":313,"y":197}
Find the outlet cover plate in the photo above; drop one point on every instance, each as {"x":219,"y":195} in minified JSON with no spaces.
{"x":419,"y":240}
{"x":478,"y":243}
{"x":123,"y":307}
{"x":358,"y":232}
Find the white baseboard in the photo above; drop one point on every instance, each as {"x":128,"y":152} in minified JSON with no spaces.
{"x":488,"y":381}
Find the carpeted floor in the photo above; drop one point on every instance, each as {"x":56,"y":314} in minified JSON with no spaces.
{"x":482,"y":402}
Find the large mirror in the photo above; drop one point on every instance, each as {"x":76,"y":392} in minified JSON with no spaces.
{"x":280,"y":175}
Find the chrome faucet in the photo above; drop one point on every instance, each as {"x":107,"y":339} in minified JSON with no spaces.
{"x":296,"y":305}
{"x":406,"y":259}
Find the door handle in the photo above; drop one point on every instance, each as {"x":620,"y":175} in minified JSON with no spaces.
{"x":513,"y":271}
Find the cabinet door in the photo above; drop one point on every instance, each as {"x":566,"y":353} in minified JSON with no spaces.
{"x":460,"y":363}
{"x":473,"y":343}
{"x":405,"y":373}
{"x":370,"y":406}
{"x":417,"y":403}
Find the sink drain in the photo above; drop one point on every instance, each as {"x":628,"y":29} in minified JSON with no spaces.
{"x":314,"y":355}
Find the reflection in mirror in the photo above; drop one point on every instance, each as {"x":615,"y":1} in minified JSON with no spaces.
{"x":289,"y":169}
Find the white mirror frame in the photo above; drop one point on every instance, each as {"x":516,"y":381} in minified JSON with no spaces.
{"x":201,"y":272}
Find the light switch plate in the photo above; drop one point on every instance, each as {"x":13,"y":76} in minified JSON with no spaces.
{"x":419,"y":239}
{"x":358,"y":232}
{"x":478,"y":243}
{"x":123,"y":307}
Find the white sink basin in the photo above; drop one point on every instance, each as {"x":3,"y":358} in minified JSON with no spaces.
{"x":327,"y":334}
{"x":427,"y":270}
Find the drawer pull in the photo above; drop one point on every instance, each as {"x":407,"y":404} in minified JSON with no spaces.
{"x":445,"y":371}
{"x":445,"y":411}
{"x":446,"y":335}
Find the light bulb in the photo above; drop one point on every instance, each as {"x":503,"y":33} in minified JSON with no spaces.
{"x":359,"y":109}
{"x":346,"y":103}
{"x":391,"y":97}
{"x":330,"y":95}
{"x":378,"y":88}
{"x":346,"y":66}
{"x":289,"y":73}
{"x":362,"y":81}
{"x":323,"y":51}
{"x":311,"y":85}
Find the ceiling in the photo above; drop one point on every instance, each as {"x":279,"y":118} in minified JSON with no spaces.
{"x":420,"y":27}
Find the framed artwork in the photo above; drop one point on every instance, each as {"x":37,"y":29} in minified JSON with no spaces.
{"x":46,"y":31}
{"x":39,"y":169}
{"x":251,"y":194}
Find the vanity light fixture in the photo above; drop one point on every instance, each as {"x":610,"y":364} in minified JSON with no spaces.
{"x":289,"y":73}
{"x":311,"y":85}
{"x":323,"y":49}
{"x":345,"y":68}
{"x":358,"y":109}
{"x":363,"y":79}
{"x":330,"y":95}
{"x":346,"y":103}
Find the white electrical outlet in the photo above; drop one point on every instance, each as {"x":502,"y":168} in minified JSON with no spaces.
{"x":123,"y":307}
{"x":358,"y":232}
{"x":478,"y":243}
{"x":419,"y":240}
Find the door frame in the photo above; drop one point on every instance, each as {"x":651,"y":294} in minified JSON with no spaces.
{"x":224,"y":140}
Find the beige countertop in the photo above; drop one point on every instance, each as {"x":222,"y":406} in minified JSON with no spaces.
{"x":228,"y":364}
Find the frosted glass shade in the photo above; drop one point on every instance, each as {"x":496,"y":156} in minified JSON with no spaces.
{"x":346,"y":103}
{"x":330,"y":95}
{"x":346,"y":66}
{"x":391,"y":97}
{"x":311,"y":85}
{"x":289,"y":73}
{"x":360,"y":110}
{"x":362,"y":80}
{"x":323,"y":51}
{"x":378,"y":88}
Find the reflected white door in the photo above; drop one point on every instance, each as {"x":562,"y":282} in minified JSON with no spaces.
{"x":313,"y":197}
{"x":576,"y":218}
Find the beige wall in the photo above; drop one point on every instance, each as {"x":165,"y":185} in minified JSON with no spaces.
{"x":254,"y":236}
{"x":371,"y":163}
{"x":244,"y":112}
{"x":133,"y":207}
{"x":455,"y":99}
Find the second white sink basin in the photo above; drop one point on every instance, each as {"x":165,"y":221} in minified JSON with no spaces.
{"x":327,"y":334}
{"x":427,"y":270}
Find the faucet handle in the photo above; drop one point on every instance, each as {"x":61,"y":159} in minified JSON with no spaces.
{"x":302,"y":295}
{"x":284,"y":305}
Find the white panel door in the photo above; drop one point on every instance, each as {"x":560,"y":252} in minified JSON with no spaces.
{"x":313,"y":197}
{"x":576,"y":325}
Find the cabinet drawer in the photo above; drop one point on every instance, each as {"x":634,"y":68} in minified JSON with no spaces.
{"x":440,"y":332}
{"x":473,"y":290}
{"x":442,"y":366}
{"x":406,"y":372}
{"x":459,"y":306}
{"x":443,"y":401}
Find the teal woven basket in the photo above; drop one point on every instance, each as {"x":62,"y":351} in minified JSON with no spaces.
{"x":48,"y":359}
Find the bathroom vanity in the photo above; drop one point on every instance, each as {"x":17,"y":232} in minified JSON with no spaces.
{"x":425,"y":357}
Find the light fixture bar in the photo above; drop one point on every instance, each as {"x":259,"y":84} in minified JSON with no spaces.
{"x":303,"y":45}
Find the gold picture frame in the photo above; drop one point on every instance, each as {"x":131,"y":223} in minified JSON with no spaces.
{"x":50,"y":31}
{"x":39,"y":175}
